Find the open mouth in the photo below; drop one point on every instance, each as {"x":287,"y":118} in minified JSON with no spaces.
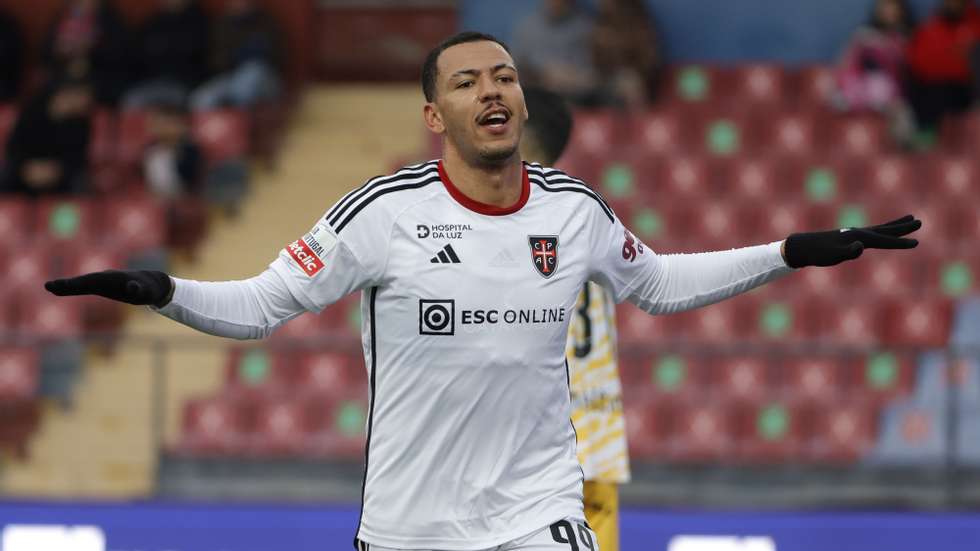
{"x":494,"y":119}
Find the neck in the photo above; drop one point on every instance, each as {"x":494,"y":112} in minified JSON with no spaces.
{"x":498,"y":185}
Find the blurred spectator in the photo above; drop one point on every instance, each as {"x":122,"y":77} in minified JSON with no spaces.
{"x":246,"y":57}
{"x":627,"y":53}
{"x":47,"y":149}
{"x":871,"y":71}
{"x":552,"y":48}
{"x":172,"y":163}
{"x":172,"y":51}
{"x":11,"y":57}
{"x":941,"y":80}
{"x":88,"y":39}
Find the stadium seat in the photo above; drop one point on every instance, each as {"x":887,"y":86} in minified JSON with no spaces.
{"x":280,"y":427}
{"x":740,"y":378}
{"x":343,"y":318}
{"x":45,"y":316}
{"x":67,"y":220}
{"x":662,"y":377}
{"x":219,"y":425}
{"x":16,"y":221}
{"x":777,"y":221}
{"x":965,"y":217}
{"x":911,"y":434}
{"x":746,"y":178}
{"x":702,"y":432}
{"x":951,"y":177}
{"x":886,"y":176}
{"x":858,"y":136}
{"x":27,"y":267}
{"x":775,"y":320}
{"x":135,"y":223}
{"x":709,"y":225}
{"x":718,"y":323}
{"x":19,"y":373}
{"x":843,"y":432}
{"x":18,"y":420}
{"x":899,"y":274}
{"x":921,"y":322}
{"x":329,"y":372}
{"x":634,"y":326}
{"x":812,"y":380}
{"x":816,"y":83}
{"x":305,"y":327}
{"x":102,"y":141}
{"x":594,"y":133}
{"x":811,"y":283}
{"x":953,"y":275}
{"x":647,"y":429}
{"x":855,"y":322}
{"x":791,"y":134}
{"x":681,"y":178}
{"x":257,"y":372}
{"x":726,"y":132}
{"x":660,"y":132}
{"x":759,"y":85}
{"x":773,"y":432}
{"x":880,"y":377}
{"x":337,"y":426}
{"x":89,"y":258}
{"x":693,"y":84}
{"x":222,"y":134}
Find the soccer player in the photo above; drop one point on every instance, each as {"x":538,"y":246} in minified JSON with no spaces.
{"x":597,"y":396}
{"x":469,"y":269}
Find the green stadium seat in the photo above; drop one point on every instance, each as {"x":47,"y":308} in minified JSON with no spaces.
{"x":773,"y":432}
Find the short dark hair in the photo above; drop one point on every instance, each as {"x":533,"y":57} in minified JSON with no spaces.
{"x":429,"y":69}
{"x":550,"y":122}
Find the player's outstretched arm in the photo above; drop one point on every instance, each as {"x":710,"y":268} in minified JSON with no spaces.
{"x":829,"y":248}
{"x":247,"y":309}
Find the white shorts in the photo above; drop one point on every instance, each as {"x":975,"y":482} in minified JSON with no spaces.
{"x":565,"y":535}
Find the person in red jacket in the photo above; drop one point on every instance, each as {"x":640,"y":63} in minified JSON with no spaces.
{"x":942,"y":80}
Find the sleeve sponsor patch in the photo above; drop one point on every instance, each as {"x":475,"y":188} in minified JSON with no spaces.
{"x":308,"y":252}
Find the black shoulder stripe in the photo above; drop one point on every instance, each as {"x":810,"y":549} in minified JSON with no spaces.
{"x":577,"y":182}
{"x":350,"y":216}
{"x":412,"y":172}
{"x":579,"y":189}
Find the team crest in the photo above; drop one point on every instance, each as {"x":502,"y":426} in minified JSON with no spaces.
{"x":544,"y":254}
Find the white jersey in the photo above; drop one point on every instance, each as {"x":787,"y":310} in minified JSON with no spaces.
{"x":466,"y":309}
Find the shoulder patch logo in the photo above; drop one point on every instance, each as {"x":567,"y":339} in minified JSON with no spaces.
{"x":308,"y":251}
{"x":544,"y":254}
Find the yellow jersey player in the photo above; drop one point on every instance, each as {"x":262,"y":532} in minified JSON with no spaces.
{"x":594,"y":375}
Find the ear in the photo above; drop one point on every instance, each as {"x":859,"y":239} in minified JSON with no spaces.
{"x":433,"y":118}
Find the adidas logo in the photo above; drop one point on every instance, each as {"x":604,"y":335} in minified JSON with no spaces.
{"x":446,"y":256}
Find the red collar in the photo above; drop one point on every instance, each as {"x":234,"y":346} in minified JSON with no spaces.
{"x":483,"y":208}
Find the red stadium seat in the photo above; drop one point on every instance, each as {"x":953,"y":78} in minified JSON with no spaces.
{"x":888,"y":176}
{"x":337,"y":426}
{"x":812,"y":380}
{"x":343,"y":318}
{"x":899,"y":274}
{"x":219,"y":425}
{"x":741,"y":378}
{"x":812,"y":284}
{"x":634,"y":326}
{"x":923,"y":322}
{"x":87,"y":259}
{"x":791,"y":134}
{"x":712,"y":224}
{"x":717,"y":323}
{"x":772,"y":433}
{"x":843,"y":433}
{"x":747,"y":178}
{"x":665,"y":377}
{"x":19,"y":373}
{"x":856,"y":322}
{"x":878,"y":378}
{"x":27,"y":267}
{"x":951,"y":177}
{"x":594,"y":133}
{"x":682,"y":179}
{"x":303,"y":327}
{"x":332,"y":372}
{"x":858,"y":136}
{"x":702,"y":432}
{"x":223,"y":134}
{"x":67,"y":220}
{"x":660,"y":132}
{"x":778,"y":220}
{"x":647,"y":429}
{"x":135,"y":223}
{"x":816,"y":83}
{"x":281,"y":427}
{"x":46,"y":316}
{"x":759,"y":85}
{"x":16,"y":221}
{"x":18,"y":420}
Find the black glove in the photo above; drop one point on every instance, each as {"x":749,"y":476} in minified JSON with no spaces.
{"x":141,"y":287}
{"x":828,"y":248}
